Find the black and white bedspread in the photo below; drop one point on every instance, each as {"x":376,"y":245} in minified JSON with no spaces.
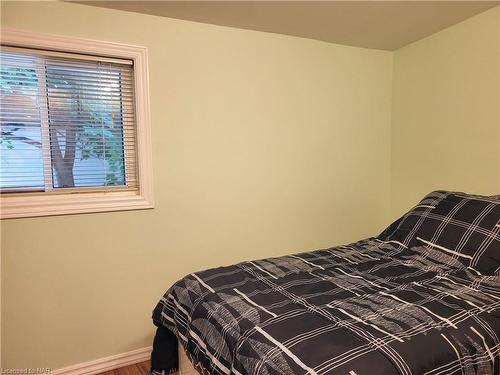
{"x":421,"y":298}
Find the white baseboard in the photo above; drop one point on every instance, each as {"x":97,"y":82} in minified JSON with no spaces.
{"x":105,"y":364}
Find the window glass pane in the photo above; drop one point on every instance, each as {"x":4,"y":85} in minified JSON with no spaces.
{"x":65,"y":123}
{"x":86,"y":124}
{"x":21,"y":164}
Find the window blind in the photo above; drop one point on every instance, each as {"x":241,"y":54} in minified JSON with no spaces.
{"x":67,"y":122}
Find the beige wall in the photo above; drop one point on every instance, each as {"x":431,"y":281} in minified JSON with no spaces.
{"x":446,"y":112}
{"x":263,"y":145}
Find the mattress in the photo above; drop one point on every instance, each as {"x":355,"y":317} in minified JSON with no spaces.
{"x":423,"y":297}
{"x":185,"y":365}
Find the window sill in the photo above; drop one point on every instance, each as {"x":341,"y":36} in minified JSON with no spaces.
{"x":64,"y":204}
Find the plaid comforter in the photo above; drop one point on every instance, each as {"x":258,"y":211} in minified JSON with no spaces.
{"x":422,"y":298}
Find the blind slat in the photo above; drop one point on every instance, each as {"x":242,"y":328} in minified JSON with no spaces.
{"x":27,"y":53}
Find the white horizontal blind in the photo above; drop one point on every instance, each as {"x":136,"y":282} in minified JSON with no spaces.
{"x":66,"y":123}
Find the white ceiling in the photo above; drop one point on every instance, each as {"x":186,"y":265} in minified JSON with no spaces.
{"x":386,"y":25}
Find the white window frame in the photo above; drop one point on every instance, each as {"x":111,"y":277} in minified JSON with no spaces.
{"x":81,"y":201}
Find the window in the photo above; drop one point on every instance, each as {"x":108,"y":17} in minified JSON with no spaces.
{"x":74,"y":126}
{"x":65,"y":123}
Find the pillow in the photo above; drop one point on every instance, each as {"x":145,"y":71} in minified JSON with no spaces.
{"x":462,"y":226}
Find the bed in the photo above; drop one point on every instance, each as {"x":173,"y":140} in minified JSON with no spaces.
{"x":421,"y":298}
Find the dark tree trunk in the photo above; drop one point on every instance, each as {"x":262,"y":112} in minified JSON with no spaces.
{"x":63,"y":166}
